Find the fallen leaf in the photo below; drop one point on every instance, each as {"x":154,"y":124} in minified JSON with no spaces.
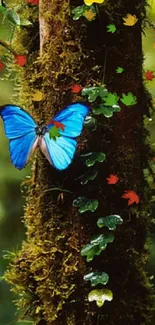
{"x":111,"y":28}
{"x":57,"y":124}
{"x":112,"y":179}
{"x":34,"y":2}
{"x":130,"y":20}
{"x":76,"y":89}
{"x":20,"y":60}
{"x":1,"y":66}
{"x":149,"y":75}
{"x":131,"y":196}
{"x":90,"y":15}
{"x":128,"y":99}
{"x":37,"y":96}
{"x":119,"y":70}
{"x":90,"y":2}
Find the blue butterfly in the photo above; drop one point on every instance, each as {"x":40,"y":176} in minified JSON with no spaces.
{"x":25,"y":135}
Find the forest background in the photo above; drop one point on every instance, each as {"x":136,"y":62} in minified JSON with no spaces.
{"x":12,"y":191}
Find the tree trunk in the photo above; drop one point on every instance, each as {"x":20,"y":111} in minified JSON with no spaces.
{"x":48,"y":271}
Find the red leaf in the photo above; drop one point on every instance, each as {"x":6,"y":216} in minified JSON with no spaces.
{"x":149,"y":75}
{"x":20,"y":60}
{"x":112,"y":179}
{"x":76,"y":89}
{"x":131,"y":196}
{"x":34,"y":2}
{"x":58,"y":125}
{"x":1,"y":66}
{"x":153,"y":158}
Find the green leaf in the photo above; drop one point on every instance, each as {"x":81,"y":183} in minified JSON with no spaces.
{"x":100,"y":296}
{"x":84,"y":204}
{"x":119,"y":70}
{"x":89,"y":176}
{"x":2,"y":9}
{"x":78,"y":12}
{"x":110,"y":221}
{"x":25,"y":22}
{"x":13,"y":17}
{"x":90,"y":123}
{"x":107,"y":111}
{"x":54,"y":133}
{"x":97,"y":278}
{"x":102,"y":239}
{"x":129,"y":99}
{"x":111,"y":28}
{"x":91,"y":158}
{"x":90,"y":250}
{"x":97,"y":244}
{"x":111,"y":99}
{"x":94,"y":92}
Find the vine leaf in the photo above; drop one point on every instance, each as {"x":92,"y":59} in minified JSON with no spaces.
{"x":90,"y":123}
{"x":78,"y":12}
{"x":129,"y":99}
{"x":89,"y":176}
{"x":91,"y":158}
{"x":100,"y":296}
{"x":97,"y":244}
{"x":111,"y":28}
{"x":97,"y":278}
{"x":94,"y":92}
{"x":84,"y":204}
{"x":107,"y":111}
{"x":110,"y":221}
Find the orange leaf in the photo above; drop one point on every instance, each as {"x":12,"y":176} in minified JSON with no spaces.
{"x":131,"y":196}
{"x":130,"y":20}
{"x":20,"y":60}
{"x":1,"y":65}
{"x":58,"y":125}
{"x":34,"y":2}
{"x":149,"y":75}
{"x":112,"y":179}
{"x":76,"y":89}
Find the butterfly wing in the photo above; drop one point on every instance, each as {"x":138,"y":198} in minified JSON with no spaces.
{"x":73,"y":118}
{"x":60,"y":152}
{"x":20,"y":130}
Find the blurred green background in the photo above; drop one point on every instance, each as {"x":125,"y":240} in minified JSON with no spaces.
{"x":12,"y":199}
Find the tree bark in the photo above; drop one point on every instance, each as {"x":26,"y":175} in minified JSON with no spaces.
{"x":48,"y":271}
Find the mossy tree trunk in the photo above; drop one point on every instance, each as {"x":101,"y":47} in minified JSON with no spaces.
{"x":48,"y":271}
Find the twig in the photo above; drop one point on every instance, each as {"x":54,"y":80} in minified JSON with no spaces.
{"x":8,"y":47}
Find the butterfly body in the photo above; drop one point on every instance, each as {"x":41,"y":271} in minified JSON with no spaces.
{"x":25,"y":134}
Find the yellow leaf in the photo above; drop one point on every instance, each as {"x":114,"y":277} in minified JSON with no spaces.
{"x":90,"y":2}
{"x":90,"y":15}
{"x":153,"y":45}
{"x":37,"y":96}
{"x":130,"y":20}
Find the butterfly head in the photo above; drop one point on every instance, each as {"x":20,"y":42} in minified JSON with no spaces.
{"x":41,"y":129}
